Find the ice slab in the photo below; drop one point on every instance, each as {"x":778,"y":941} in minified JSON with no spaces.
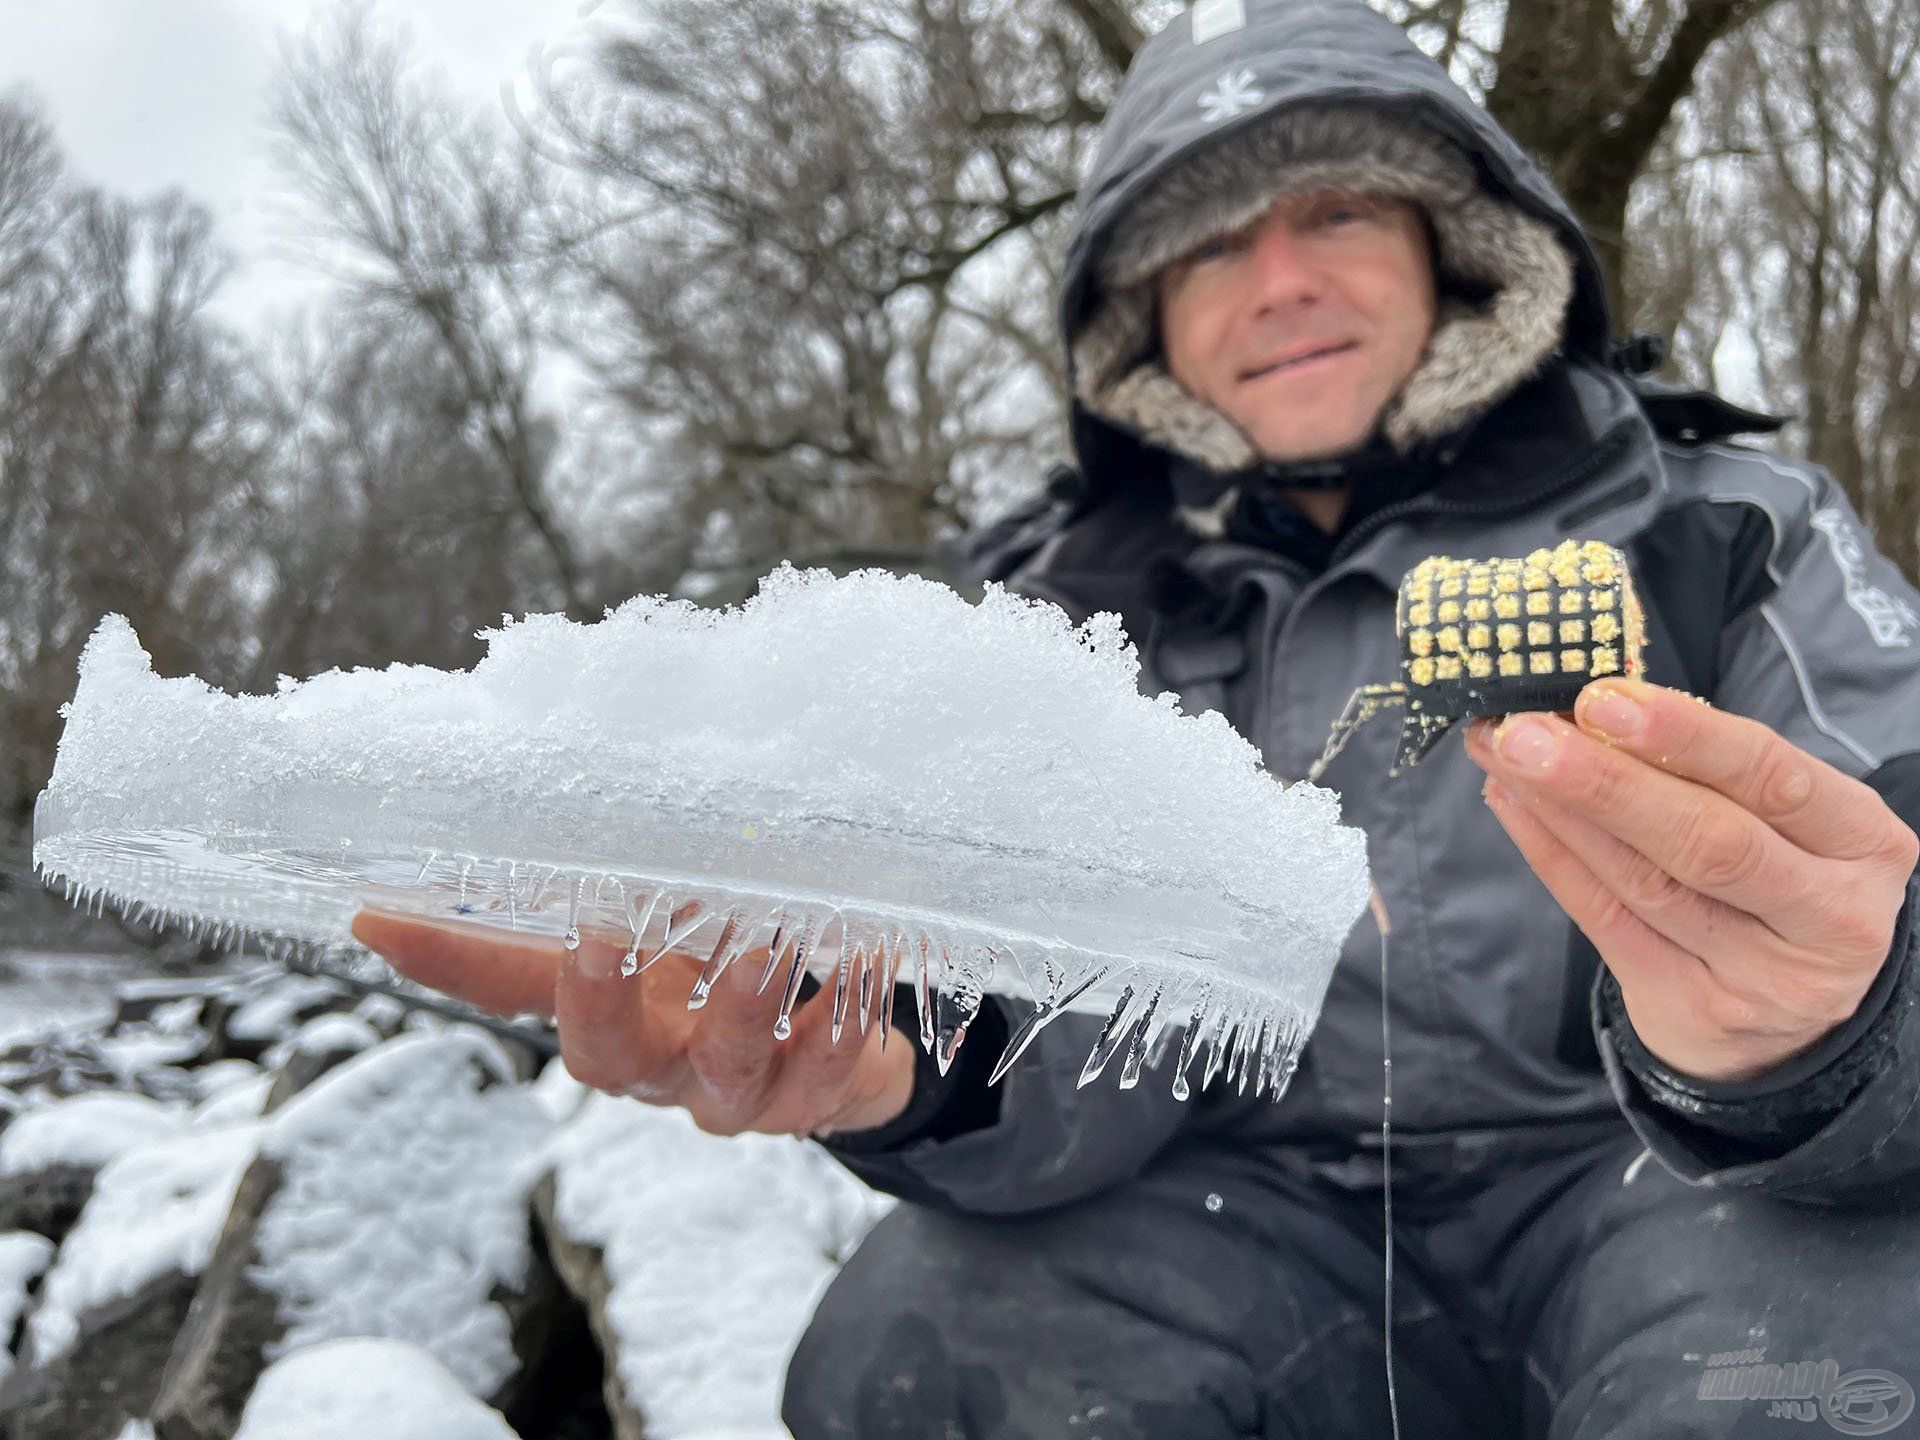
{"x":877,"y":777}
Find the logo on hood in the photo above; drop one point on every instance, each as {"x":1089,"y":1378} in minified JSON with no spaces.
{"x":1234,"y":93}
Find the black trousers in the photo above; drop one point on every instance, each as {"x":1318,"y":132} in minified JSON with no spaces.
{"x":1555,"y":1283}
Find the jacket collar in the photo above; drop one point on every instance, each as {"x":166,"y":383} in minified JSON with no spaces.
{"x":1568,"y":455}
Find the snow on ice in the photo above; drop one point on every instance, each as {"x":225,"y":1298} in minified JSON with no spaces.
{"x":889,"y":781}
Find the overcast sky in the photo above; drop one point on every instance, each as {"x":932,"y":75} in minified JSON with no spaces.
{"x":147,"y":94}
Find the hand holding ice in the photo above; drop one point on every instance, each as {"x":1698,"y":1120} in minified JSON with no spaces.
{"x":869,"y":768}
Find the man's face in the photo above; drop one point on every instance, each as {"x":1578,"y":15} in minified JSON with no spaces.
{"x":1302,"y":326}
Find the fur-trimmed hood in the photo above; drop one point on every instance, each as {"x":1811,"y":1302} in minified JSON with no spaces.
{"x":1236,"y":101}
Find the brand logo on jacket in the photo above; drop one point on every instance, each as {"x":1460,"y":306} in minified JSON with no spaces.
{"x":1234,"y":93}
{"x":1860,"y":1402}
{"x":1890,"y":620}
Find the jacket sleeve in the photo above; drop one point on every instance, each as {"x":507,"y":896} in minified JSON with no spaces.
{"x":1828,"y":656}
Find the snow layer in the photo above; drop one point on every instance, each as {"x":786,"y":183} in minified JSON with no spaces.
{"x":716,"y":1249}
{"x":23,"y":1256}
{"x":158,"y":1207}
{"x":90,"y":1129}
{"x":403,"y":1202}
{"x":872,"y":746}
{"x":365,"y":1387}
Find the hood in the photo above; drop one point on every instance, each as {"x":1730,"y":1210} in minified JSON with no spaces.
{"x":1226,"y":65}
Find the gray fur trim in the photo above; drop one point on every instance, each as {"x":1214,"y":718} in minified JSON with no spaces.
{"x":1475,"y":354}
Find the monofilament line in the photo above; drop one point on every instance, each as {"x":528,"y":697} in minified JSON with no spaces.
{"x":1386,"y":1162}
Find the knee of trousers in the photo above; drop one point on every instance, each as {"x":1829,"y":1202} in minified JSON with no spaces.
{"x":877,"y":1359}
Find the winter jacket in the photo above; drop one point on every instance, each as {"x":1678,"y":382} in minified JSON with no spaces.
{"x":1763,"y":594}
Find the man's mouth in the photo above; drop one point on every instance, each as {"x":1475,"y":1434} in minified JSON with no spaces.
{"x":1298,"y":361}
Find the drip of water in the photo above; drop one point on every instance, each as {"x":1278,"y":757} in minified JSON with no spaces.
{"x":811,"y":929}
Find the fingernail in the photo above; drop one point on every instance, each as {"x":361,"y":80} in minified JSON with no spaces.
{"x":1499,"y":794}
{"x":1611,"y":712}
{"x":1523,"y":741}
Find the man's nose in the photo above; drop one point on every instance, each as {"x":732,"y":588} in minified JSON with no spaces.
{"x":1283,"y":272}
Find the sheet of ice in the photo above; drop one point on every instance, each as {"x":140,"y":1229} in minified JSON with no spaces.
{"x":90,"y":1129}
{"x":879,"y":776}
{"x":365,"y":1387}
{"x":23,"y":1257}
{"x":398,"y":1163}
{"x":716,"y":1250}
{"x":158,"y":1207}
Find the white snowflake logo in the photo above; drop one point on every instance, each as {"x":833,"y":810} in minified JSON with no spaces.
{"x":1232,"y":94}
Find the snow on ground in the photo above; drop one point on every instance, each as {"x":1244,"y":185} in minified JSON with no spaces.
{"x":334,"y":1030}
{"x":716,"y":1248}
{"x":398,"y":1164}
{"x":158,"y":1207}
{"x":90,"y":1129}
{"x":23,"y":1256}
{"x":43,"y":995}
{"x":385,"y":1388}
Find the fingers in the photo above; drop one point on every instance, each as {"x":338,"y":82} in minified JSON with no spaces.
{"x":731,"y":1050}
{"x":820,"y":1079}
{"x":1721,"y":937}
{"x":1803,"y":798}
{"x":505,"y":973}
{"x":1638,"y":954}
{"x":615,"y":1034}
{"x":1699,"y":837}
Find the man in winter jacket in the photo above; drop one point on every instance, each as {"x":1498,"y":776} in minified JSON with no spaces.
{"x":1655,"y":1057}
{"x":1655,"y":1125}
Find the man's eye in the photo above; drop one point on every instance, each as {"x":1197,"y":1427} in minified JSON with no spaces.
{"x":1213,"y":249}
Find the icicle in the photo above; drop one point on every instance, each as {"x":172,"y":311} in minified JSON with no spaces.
{"x":810,"y":931}
{"x":868,"y":954}
{"x":893,"y":941}
{"x":958,"y":1003}
{"x":782,"y":934}
{"x":735,"y":935}
{"x":572,"y":939}
{"x":1045,"y":1012}
{"x":460,"y":906}
{"x":1137,"y":1047}
{"x":1189,"y":1043}
{"x":637,"y":922}
{"x":842,"y":989}
{"x":513,"y":894}
{"x":425,"y":866}
{"x":926,"y":984}
{"x":1112,"y":1033}
{"x":681,"y":924}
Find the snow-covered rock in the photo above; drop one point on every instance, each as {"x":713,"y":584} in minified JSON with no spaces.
{"x":389,"y":1199}
{"x":51,"y":1153}
{"x":700,"y":1258}
{"x":383,"y":1388}
{"x":23,"y":1257}
{"x":120,"y":1286}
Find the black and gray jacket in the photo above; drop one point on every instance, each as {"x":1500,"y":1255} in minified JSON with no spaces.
{"x":1763,"y":594}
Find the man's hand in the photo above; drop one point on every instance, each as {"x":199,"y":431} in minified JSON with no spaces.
{"x":633,"y":1035}
{"x":1743,"y":892}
